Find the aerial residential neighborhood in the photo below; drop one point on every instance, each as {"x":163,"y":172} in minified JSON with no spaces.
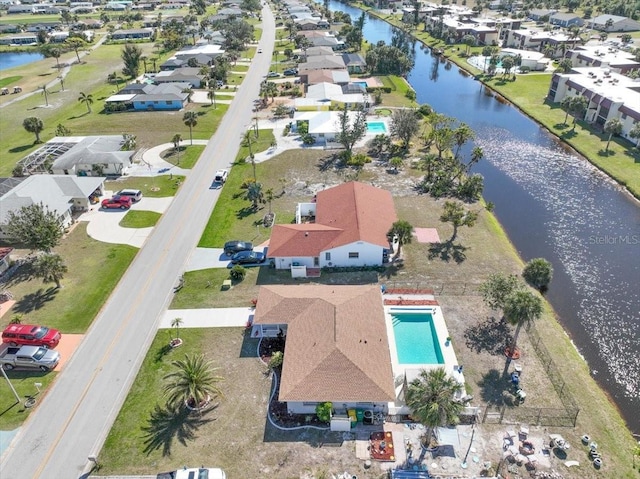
{"x":255,"y":239}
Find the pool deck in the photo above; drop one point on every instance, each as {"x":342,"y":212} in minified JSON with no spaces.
{"x":419,"y":302}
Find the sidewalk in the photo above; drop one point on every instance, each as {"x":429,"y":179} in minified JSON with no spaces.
{"x":208,"y":318}
{"x":152,"y":162}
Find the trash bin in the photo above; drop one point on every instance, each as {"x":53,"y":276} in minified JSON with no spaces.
{"x":360,"y":415}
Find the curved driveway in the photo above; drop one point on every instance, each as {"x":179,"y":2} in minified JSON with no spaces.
{"x":72,"y":421}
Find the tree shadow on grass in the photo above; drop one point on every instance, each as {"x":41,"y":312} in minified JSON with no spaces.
{"x":494,"y":388}
{"x":20,"y":149}
{"x":246,"y":211}
{"x":606,"y":153}
{"x":392,"y":270}
{"x":561,"y":126}
{"x":34,"y":301}
{"x":567,"y":135}
{"x":328,"y":163}
{"x":490,"y":336}
{"x":172,"y":423}
{"x":448,"y":251}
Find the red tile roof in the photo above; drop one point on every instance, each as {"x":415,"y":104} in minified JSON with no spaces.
{"x":345,"y":214}
{"x":336,"y":347}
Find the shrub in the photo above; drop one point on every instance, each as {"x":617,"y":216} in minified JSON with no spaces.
{"x":246,"y":182}
{"x":323,"y":411}
{"x":237,"y":273}
{"x":276,"y":360}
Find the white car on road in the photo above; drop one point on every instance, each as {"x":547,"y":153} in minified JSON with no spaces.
{"x":219,"y":179}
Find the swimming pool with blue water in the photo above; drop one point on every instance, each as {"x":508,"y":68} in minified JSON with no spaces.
{"x":376,"y":127}
{"x":416,"y":338}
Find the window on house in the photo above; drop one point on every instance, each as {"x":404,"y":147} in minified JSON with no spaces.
{"x":327,"y":256}
{"x":169,"y":102}
{"x":354,"y":255}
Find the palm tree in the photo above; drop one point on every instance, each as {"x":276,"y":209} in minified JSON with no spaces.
{"x":34,"y":125}
{"x":538,"y":273}
{"x":211,"y":94}
{"x":254,"y":194}
{"x":45,"y":92}
{"x":454,"y":213}
{"x":521,"y":307}
{"x":432,"y":402}
{"x":635,"y":134}
{"x":190,"y":119}
{"x":177,"y":138}
{"x":86,"y":99}
{"x":404,"y":231}
{"x":612,"y":127}
{"x":175,"y":323}
{"x":269,"y":89}
{"x":193,"y":381}
{"x":469,"y":41}
{"x":50,"y":267}
{"x":269,"y":196}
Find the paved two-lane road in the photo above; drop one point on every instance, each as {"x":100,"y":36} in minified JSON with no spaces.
{"x":74,"y":418}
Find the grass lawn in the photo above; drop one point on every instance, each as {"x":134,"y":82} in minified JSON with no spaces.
{"x":186,"y":157}
{"x":231,"y":205}
{"x":150,"y":128}
{"x":148,"y":437}
{"x":240,"y":68}
{"x":399,"y":87}
{"x":151,"y":186}
{"x":140,"y":219}
{"x":94,"y":270}
{"x":13,"y":413}
{"x":5,"y":82}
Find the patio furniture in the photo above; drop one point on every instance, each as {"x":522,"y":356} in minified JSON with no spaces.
{"x":557,"y":441}
{"x":508,"y":439}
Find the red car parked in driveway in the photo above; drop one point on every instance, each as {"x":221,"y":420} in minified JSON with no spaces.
{"x":28,"y":334}
{"x":118,"y":201}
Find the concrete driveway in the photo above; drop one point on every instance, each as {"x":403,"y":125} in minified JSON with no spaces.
{"x":103,"y":225}
{"x":205,"y":258}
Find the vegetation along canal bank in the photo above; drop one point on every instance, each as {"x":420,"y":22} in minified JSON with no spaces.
{"x":553,"y":205}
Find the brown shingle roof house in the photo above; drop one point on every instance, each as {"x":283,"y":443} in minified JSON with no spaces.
{"x":350,"y":229}
{"x":336,"y":342}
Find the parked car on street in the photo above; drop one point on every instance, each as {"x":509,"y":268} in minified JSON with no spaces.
{"x":233,"y":247}
{"x":117,"y":201}
{"x":219,"y":179}
{"x":33,"y":357}
{"x":29,"y":334}
{"x":273,"y":75}
{"x":248,"y":257}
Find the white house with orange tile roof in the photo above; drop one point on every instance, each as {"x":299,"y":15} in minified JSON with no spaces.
{"x":350,"y":227}
{"x":336,"y":349}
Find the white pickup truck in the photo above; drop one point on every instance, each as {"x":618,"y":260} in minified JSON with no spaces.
{"x":28,"y":357}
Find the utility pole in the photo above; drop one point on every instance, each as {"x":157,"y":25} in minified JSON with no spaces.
{"x":15,"y":393}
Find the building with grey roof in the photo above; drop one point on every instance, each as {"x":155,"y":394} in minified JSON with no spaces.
{"x":64,"y":194}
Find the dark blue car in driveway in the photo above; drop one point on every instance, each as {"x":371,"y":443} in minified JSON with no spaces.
{"x":248,"y":257}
